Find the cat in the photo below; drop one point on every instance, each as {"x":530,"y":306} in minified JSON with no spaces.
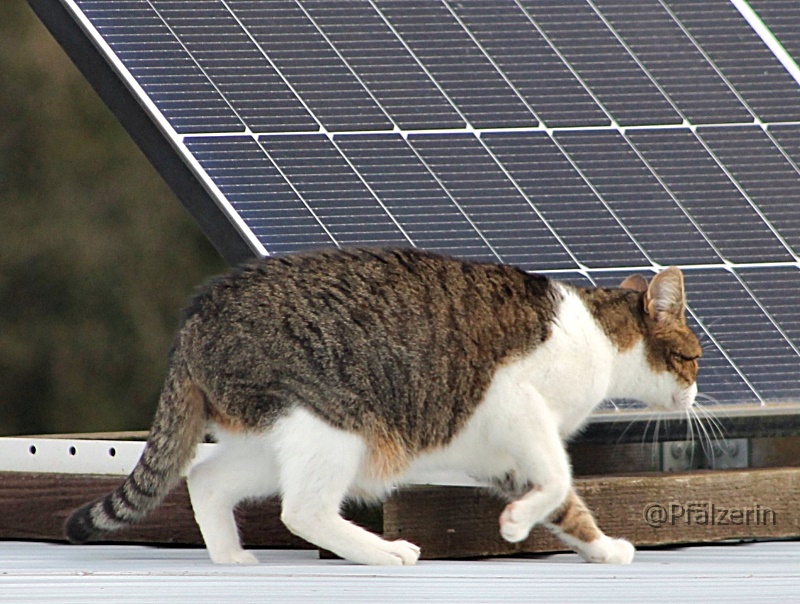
{"x":332,"y":374}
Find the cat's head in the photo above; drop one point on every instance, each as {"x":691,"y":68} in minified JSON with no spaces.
{"x":668,"y":351}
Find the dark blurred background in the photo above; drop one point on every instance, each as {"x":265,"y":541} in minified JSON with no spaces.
{"x":96,"y":254}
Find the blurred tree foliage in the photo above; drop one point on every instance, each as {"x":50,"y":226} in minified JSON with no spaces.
{"x":96,"y":254}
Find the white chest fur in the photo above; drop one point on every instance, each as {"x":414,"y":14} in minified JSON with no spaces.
{"x":551,"y":391}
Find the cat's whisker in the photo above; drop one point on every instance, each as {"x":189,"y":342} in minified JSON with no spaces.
{"x":690,"y":435}
{"x":714,"y":423}
{"x":708,"y":397}
{"x":644,"y":431}
{"x":707,"y":443}
{"x":655,"y":438}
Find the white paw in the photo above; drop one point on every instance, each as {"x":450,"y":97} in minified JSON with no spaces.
{"x":608,"y":551}
{"x":233,"y":557}
{"x":401,"y":553}
{"x":514,"y":523}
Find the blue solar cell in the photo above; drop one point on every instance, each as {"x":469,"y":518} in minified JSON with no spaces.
{"x":236,"y":65}
{"x":507,"y":220}
{"x":768,"y":179}
{"x":583,"y":220}
{"x":432,"y":219}
{"x":462,"y":71}
{"x":687,"y":78}
{"x":531,"y":64}
{"x":310,"y":64}
{"x":168,"y":74}
{"x":259,"y":194}
{"x":338,"y":197}
{"x":661,"y":227}
{"x":741,"y":56}
{"x":708,"y":194}
{"x":602,"y":62}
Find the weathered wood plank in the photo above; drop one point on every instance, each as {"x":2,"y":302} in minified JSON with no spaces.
{"x":452,"y":522}
{"x":35,"y":506}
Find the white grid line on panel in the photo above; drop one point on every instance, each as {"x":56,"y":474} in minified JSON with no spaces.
{"x":405,"y":133}
{"x":582,"y":268}
{"x":453,"y":199}
{"x":768,"y":38}
{"x":570,"y":68}
{"x":639,"y":63}
{"x":747,"y":198}
{"x":684,"y":266}
{"x":264,"y":54}
{"x":712,"y":63}
{"x":724,"y":353}
{"x":493,"y":63}
{"x":425,"y":70}
{"x":344,"y":61}
{"x":164,"y":126}
{"x":780,"y":148}
{"x":200,"y":67}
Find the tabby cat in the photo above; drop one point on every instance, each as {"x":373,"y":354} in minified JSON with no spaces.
{"x":333,"y":374}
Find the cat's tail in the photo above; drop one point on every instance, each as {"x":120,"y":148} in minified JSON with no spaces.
{"x":177,"y":428}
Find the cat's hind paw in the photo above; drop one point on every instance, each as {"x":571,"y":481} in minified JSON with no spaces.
{"x":606,"y":550}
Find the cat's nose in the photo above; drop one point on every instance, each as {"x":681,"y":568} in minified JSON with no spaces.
{"x":685,"y":398}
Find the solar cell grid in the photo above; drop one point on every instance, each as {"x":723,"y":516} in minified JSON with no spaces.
{"x":584,"y":139}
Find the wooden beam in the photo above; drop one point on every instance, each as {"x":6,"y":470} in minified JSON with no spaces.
{"x":451,"y":522}
{"x":459,"y":522}
{"x":34,"y":506}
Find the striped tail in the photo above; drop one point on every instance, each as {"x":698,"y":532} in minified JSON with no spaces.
{"x":177,"y":428}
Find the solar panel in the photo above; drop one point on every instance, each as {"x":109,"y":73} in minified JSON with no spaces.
{"x":586,"y":140}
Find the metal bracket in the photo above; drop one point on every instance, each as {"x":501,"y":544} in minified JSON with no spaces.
{"x":681,"y":456}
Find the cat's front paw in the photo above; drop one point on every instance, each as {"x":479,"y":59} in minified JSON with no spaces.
{"x":390,"y":553}
{"x":514,"y":523}
{"x":233,"y":557}
{"x":406,"y":551}
{"x":606,"y":550}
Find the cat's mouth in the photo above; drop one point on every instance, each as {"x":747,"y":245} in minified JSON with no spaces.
{"x":685,"y":398}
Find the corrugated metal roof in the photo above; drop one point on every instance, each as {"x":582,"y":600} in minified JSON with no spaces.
{"x":45,"y":572}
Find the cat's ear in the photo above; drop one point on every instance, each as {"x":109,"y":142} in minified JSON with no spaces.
{"x":634,"y":282}
{"x":665,"y":299}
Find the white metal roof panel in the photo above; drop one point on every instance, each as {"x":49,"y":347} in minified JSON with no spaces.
{"x":42,"y":572}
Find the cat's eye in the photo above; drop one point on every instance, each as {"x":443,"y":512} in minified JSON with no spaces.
{"x":683,"y":357}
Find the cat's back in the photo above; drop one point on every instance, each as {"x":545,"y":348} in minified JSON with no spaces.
{"x":408,"y":335}
{"x":339,"y":282}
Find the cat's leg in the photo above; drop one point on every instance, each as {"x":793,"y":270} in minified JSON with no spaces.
{"x":318,"y":465}
{"x":523,"y":428}
{"x":574,"y":524}
{"x":239,"y":468}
